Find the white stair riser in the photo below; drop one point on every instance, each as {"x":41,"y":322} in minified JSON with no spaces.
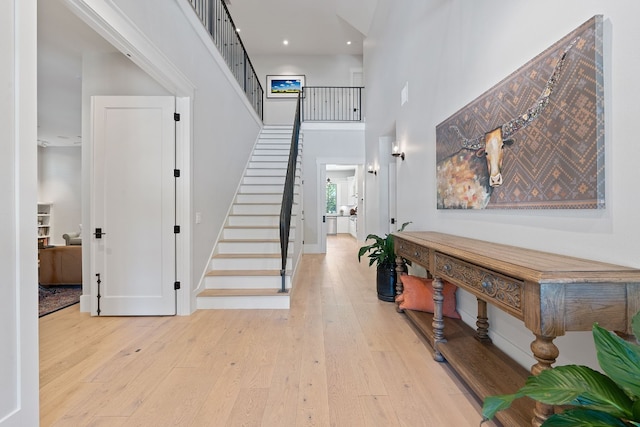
{"x":256,"y":220}
{"x":271,"y":145}
{"x":254,"y":233}
{"x":253,"y":220}
{"x":259,"y":172}
{"x":276,"y":302}
{"x":262,"y":198}
{"x":271,"y":165}
{"x":267,"y":172}
{"x":239,"y":247}
{"x":264,"y":151}
{"x":262,"y":188}
{"x":270,"y":158}
{"x":268,"y":180}
{"x":267,"y":209}
{"x":247,"y":263}
{"x":246,"y":282}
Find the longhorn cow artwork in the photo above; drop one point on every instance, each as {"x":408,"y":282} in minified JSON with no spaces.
{"x":550,"y":155}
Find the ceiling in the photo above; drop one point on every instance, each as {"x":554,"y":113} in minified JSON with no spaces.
{"x":312,"y":27}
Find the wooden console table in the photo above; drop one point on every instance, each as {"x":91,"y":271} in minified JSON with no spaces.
{"x":550,"y":293}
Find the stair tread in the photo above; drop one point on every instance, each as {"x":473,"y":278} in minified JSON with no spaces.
{"x":241,"y":292}
{"x":252,"y":227}
{"x":240,"y":256}
{"x":261,"y":194}
{"x":256,"y":203}
{"x":259,"y":203}
{"x":272,"y":272}
{"x":250,"y":240}
{"x":254,"y":214}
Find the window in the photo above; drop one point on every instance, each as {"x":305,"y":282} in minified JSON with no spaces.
{"x":332,"y":197}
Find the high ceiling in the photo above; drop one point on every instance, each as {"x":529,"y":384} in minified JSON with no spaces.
{"x":312,"y":27}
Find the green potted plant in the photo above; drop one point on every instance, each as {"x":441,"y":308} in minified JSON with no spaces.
{"x":596,"y":399}
{"x":382,"y":253}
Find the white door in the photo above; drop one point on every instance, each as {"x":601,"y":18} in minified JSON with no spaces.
{"x":322,"y":206}
{"x":393,"y":177}
{"x":133,"y":205}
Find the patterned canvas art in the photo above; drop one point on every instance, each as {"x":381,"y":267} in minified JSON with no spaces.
{"x":536,"y":139}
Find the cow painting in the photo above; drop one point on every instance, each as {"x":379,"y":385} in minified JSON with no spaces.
{"x":465,"y":179}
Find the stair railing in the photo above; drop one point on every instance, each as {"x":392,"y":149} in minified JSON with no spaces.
{"x":288,"y":195}
{"x":216,"y":18}
{"x":331,"y":104}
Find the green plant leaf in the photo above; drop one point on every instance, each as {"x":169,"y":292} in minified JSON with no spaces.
{"x":584,"y":418}
{"x":635,"y":325}
{"x":570,"y":384}
{"x":382,"y":250}
{"x":619,"y":359}
{"x":493,"y":404}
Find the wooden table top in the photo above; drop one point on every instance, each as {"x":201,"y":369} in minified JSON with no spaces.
{"x":527,"y":264}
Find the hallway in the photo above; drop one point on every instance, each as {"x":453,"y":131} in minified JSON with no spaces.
{"x":338,"y":357}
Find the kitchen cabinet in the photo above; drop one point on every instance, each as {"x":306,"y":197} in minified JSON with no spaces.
{"x":353,"y":226}
{"x":343,"y":224}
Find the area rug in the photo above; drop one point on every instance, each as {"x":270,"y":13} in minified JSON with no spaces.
{"x":54,"y":298}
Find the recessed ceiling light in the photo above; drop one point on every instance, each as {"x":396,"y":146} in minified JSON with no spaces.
{"x":349,"y":42}
{"x":285,"y":42}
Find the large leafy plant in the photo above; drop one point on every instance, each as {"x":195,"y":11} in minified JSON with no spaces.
{"x":596,"y":399}
{"x":381,"y":251}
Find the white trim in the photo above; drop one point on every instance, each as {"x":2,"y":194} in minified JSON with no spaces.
{"x":111,"y":23}
{"x":186,"y":304}
{"x":18,"y":189}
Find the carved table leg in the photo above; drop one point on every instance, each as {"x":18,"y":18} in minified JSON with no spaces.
{"x":482,"y":322}
{"x":399,"y":285}
{"x":438,"y":322}
{"x":545,"y":352}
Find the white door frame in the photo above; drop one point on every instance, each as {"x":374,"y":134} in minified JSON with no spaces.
{"x":18,"y":193}
{"x":321,"y":176}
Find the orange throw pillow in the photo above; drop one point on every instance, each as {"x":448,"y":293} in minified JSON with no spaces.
{"x":418,"y":295}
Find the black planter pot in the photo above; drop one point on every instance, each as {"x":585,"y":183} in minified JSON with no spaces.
{"x":386,"y":282}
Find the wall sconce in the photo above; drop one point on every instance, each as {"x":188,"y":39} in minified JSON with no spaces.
{"x":395,"y":150}
{"x":370,"y":169}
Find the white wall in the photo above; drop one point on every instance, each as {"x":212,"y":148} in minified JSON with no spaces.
{"x":329,"y":143}
{"x":222,"y":128}
{"x":18,"y":201}
{"x":319,"y":70}
{"x":59,"y":182}
{"x":441,"y":48}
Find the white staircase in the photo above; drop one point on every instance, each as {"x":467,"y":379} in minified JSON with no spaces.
{"x":244,"y":271}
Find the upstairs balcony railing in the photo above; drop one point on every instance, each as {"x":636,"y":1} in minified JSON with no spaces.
{"x":331,"y":104}
{"x":215,"y":17}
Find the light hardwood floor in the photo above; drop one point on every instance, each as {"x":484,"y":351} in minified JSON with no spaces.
{"x":339,"y":357}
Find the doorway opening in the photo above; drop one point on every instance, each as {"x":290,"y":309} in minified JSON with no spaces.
{"x":341,"y":189}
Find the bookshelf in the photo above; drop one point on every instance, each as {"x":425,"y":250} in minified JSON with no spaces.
{"x":44,"y":224}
